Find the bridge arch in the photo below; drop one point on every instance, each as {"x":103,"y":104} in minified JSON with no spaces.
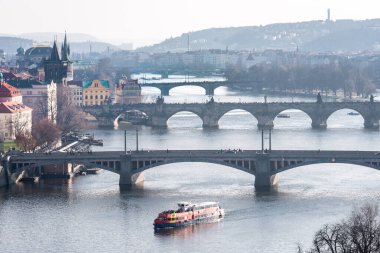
{"x":150,"y":90}
{"x":99,"y":165}
{"x":183,"y":160}
{"x":195,"y":89}
{"x":345,"y":116}
{"x":372,"y":165}
{"x":188,"y":116}
{"x":246,"y":118}
{"x":293,"y":117}
{"x":135,"y":116}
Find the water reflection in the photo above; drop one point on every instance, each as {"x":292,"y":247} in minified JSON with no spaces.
{"x":188,"y":231}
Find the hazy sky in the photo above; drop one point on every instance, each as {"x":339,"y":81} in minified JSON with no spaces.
{"x":150,"y":21}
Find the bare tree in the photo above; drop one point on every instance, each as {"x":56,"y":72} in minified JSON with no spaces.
{"x":360,"y":233}
{"x":46,"y":135}
{"x":25,"y":141}
{"x":68,"y":116}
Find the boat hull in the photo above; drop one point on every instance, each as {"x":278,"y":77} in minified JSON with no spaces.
{"x":187,"y":223}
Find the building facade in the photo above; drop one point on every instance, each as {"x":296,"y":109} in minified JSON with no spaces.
{"x":96,"y":92}
{"x":127,"y":92}
{"x":40,"y":96}
{"x":75,"y":92}
{"x":14,"y":115}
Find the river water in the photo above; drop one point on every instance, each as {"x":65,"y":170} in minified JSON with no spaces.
{"x":91,"y":214}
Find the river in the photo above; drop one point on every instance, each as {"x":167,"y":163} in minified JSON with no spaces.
{"x":91,"y":214}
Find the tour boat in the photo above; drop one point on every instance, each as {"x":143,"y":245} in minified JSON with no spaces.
{"x":188,"y":214}
{"x":283,"y":115}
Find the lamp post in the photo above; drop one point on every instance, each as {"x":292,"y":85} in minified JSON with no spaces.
{"x":137,"y":139}
{"x":125,"y":141}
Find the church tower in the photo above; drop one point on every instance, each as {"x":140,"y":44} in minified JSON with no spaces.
{"x":59,"y":68}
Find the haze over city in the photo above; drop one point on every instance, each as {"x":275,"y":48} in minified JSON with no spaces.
{"x":146,"y":22}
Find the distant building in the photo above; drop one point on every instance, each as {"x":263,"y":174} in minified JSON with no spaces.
{"x":127,"y":92}
{"x":35,"y":54}
{"x":75,"y":92}
{"x":40,"y":96}
{"x":8,"y":93}
{"x":59,"y":68}
{"x":14,"y":115}
{"x":96,"y":92}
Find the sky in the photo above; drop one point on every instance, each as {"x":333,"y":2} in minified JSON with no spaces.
{"x":145,"y":22}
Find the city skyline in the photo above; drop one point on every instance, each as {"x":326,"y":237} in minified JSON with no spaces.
{"x":147,"y":22}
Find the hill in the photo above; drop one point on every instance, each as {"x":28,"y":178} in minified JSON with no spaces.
{"x":79,"y":43}
{"x":316,"y":36}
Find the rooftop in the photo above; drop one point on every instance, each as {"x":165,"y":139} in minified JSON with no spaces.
{"x":7,"y":90}
{"x":13,"y":107}
{"x":88,"y":83}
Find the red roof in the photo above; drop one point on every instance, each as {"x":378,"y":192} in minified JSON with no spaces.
{"x":12,"y":107}
{"x":7,"y":90}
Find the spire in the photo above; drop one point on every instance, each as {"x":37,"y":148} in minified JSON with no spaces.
{"x":65,"y":50}
{"x":54,"y":52}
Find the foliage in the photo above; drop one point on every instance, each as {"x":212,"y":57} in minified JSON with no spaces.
{"x":333,"y":76}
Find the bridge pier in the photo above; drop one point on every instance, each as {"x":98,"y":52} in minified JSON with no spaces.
{"x":318,"y":123}
{"x":210,"y":91}
{"x":264,"y":122}
{"x":210,"y":122}
{"x":105,"y":122}
{"x":127,"y":177}
{"x":264,"y":181}
{"x":4,"y":180}
{"x":371,"y":123}
{"x":159,"y":121}
{"x":165,"y":91}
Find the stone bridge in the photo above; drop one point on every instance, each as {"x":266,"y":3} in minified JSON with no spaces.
{"x":208,"y":86}
{"x":210,"y":113}
{"x":263,"y":165}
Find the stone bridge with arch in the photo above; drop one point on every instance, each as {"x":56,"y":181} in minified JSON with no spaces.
{"x":210,"y":113}
{"x":165,"y":87}
{"x":264,"y":165}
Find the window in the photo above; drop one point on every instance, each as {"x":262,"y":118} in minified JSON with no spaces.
{"x":96,"y":96}
{"x":101,"y":96}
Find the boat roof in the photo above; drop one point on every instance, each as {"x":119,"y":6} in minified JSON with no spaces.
{"x":205,"y":203}
{"x":186,"y":203}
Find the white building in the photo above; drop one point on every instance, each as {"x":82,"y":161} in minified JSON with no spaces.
{"x":40,"y":96}
{"x":14,"y":115}
{"x":75,"y":92}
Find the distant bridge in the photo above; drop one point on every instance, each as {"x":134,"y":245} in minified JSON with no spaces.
{"x":211,"y":112}
{"x":165,"y":87}
{"x":263,"y":165}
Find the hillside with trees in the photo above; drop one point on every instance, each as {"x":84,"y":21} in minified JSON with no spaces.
{"x":315,"y":36}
